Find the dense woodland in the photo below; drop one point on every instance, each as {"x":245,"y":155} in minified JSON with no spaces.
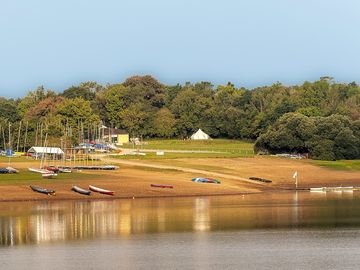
{"x":320,"y":118}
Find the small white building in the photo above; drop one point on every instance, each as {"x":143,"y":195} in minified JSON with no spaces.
{"x":200,"y":135}
{"x":47,"y":152}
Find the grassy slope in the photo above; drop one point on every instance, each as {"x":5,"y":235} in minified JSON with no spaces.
{"x":207,"y":145}
{"x":222,"y":147}
{"x":27,"y":178}
{"x":169,"y":155}
{"x":339,"y":164}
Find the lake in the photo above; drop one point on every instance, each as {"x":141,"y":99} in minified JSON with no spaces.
{"x":300,"y":230}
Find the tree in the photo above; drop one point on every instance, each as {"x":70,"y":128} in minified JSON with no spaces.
{"x":164,"y":123}
{"x":8,"y":109}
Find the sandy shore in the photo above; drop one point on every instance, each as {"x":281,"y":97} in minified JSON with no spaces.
{"x":134,"y":178}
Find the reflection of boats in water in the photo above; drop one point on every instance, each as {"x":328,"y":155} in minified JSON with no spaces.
{"x":334,"y":189}
{"x":317,"y":190}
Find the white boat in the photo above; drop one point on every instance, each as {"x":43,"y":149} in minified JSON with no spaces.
{"x":65,"y":170}
{"x":100,"y":190}
{"x":42,"y":171}
{"x":49,"y":175}
{"x":12,"y":170}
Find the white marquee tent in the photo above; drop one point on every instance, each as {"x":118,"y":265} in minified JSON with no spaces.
{"x":53,"y":152}
{"x":200,"y":135}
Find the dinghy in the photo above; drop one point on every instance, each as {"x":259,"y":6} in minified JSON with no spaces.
{"x":52,"y":169}
{"x":4,"y":171}
{"x":43,"y":190}
{"x":48,"y":175}
{"x":42,"y":171}
{"x":161,"y":186}
{"x":260,"y":179}
{"x":101,"y":191}
{"x":12,"y":170}
{"x":80,"y":190}
{"x":206,"y":180}
{"x":63,"y":170}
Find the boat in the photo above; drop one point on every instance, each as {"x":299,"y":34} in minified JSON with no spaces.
{"x":260,"y":179}
{"x":4,"y":171}
{"x":12,"y":170}
{"x":100,"y":190}
{"x":52,"y":169}
{"x":43,"y":190}
{"x":48,"y":175}
{"x":206,"y":180}
{"x":42,"y":171}
{"x":64,"y":170}
{"x":161,"y":186}
{"x":80,"y":190}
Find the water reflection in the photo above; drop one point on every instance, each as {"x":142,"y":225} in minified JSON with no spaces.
{"x":45,"y":222}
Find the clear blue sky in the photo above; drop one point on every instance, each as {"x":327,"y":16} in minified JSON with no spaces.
{"x":248,"y":42}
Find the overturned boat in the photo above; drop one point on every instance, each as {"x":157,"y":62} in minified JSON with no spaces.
{"x":48,"y":175}
{"x":12,"y":170}
{"x":206,"y":180}
{"x":101,"y":191}
{"x":161,"y":186}
{"x":43,"y":190}
{"x":80,"y":190}
{"x":4,"y":171}
{"x":260,"y":179}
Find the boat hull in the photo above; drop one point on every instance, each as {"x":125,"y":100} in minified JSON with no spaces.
{"x":161,"y":186}
{"x":81,"y":191}
{"x":101,"y":191}
{"x":43,"y":190}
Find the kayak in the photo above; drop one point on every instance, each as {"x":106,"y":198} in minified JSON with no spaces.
{"x":206,"y":180}
{"x":43,"y":190}
{"x":161,"y":186}
{"x":101,"y":191}
{"x":80,"y":190}
{"x":260,"y":179}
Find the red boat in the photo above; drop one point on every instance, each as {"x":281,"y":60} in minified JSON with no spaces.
{"x":101,"y":191}
{"x":161,"y":186}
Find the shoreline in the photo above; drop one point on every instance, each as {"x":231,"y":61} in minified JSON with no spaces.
{"x":134,"y":179}
{"x":53,"y":198}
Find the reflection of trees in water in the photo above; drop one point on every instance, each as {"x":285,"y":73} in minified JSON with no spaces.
{"x":60,"y":221}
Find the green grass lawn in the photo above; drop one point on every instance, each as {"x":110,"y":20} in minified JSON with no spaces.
{"x":218,"y":145}
{"x":339,"y":164}
{"x":170,"y":155}
{"x":5,"y":160}
{"x":26,"y":177}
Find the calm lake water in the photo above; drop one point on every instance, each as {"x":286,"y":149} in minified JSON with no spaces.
{"x":265,"y":231}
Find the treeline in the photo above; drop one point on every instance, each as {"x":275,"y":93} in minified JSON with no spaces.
{"x":145,"y":107}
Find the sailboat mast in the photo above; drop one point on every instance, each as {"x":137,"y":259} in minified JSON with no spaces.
{"x":26,"y":133}
{"x":18,"y":138}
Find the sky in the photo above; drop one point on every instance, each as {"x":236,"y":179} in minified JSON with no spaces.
{"x":247,"y":42}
